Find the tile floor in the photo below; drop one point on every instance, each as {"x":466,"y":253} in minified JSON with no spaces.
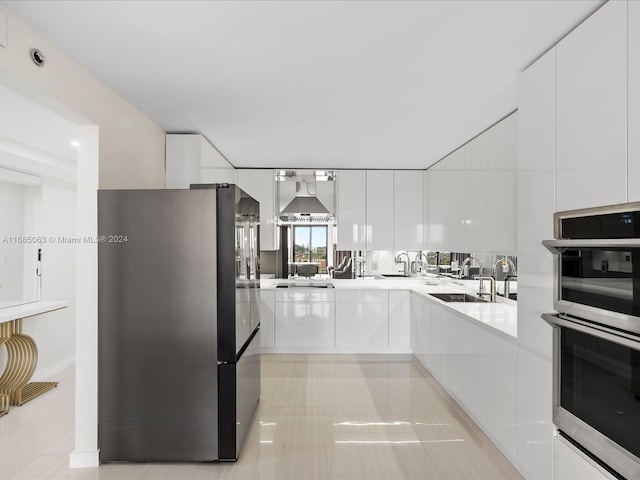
{"x":320,"y":417}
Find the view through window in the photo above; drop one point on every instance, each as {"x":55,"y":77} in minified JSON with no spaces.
{"x":310,"y":245}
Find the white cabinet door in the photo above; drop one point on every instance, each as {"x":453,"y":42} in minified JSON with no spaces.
{"x":436,"y":342}
{"x":399,"y":317}
{"x":634,"y":101}
{"x":413,"y":325}
{"x":425,"y":210}
{"x":407,"y":211}
{"x":190,"y":158}
{"x":267,"y":318}
{"x":536,"y":200}
{"x":534,"y":425}
{"x":260,"y":185}
{"x":592,"y":111}
{"x":444,"y":227}
{"x":362,"y":324}
{"x":182,"y":160}
{"x":496,"y":408}
{"x":351,"y":209}
{"x":421,"y":328}
{"x":379,"y":215}
{"x":305,"y":324}
{"x":501,"y":191}
{"x":461,"y":360}
{"x":571,"y":464}
{"x":218,"y":175}
{"x":474,"y":212}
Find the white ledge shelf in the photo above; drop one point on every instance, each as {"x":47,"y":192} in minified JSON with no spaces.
{"x":30,"y":309}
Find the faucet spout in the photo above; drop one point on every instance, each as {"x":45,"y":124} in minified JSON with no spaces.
{"x":404,"y":262}
{"x":467,"y":261}
{"x":421,"y":258}
{"x":510,"y":267}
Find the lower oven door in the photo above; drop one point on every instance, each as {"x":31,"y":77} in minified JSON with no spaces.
{"x":597,"y":391}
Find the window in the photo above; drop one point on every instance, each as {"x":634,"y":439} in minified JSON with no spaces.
{"x":310,"y":245}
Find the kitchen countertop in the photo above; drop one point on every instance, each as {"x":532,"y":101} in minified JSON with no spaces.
{"x":500,"y":316}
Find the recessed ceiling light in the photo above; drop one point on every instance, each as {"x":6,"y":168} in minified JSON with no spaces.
{"x":75,"y":143}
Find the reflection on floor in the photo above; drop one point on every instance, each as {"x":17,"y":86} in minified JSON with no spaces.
{"x":320,"y":417}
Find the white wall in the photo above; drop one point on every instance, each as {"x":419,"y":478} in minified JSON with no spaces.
{"x":11,"y":254}
{"x":119,"y":148}
{"x":131,"y":145}
{"x":54,"y":333}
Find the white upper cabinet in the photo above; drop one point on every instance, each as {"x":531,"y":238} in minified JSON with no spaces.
{"x":425,"y":210}
{"x":474,"y":194}
{"x":408,"y":203}
{"x":592,"y":111}
{"x":444,"y":202}
{"x":501,"y":187}
{"x":260,"y":184}
{"x":470,"y":195}
{"x":634,"y":102}
{"x":190,"y":158}
{"x":351,"y":209}
{"x":379,"y":210}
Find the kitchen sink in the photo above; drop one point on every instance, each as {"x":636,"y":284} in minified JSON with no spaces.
{"x":458,"y":297}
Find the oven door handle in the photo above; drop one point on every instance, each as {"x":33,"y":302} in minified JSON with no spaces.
{"x":559,"y":246}
{"x":596,"y":330}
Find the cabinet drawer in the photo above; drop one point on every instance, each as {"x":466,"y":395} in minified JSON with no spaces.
{"x":305,"y":324}
{"x":305,"y":295}
{"x":362,"y":324}
{"x":362,"y":296}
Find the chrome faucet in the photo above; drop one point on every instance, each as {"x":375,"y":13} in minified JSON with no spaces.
{"x":511,"y":267}
{"x":466,"y":261}
{"x":419,"y":256}
{"x":359,"y":270}
{"x":492,"y":287}
{"x":507,"y":281}
{"x":405,"y":262}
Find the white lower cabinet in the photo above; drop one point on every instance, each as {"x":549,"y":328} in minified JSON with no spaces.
{"x":496,"y":408}
{"x":534,"y":424}
{"x":475,"y":365}
{"x":267,"y":318}
{"x":436,"y":347}
{"x":420,"y":328}
{"x":362,"y":318}
{"x":399,"y":317}
{"x":571,"y":464}
{"x":305,"y":318}
{"x":461,"y":360}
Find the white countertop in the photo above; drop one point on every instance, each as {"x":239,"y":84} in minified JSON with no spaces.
{"x":501,"y":315}
{"x":30,"y":309}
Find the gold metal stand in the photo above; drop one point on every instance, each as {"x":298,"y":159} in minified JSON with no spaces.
{"x":21,"y":363}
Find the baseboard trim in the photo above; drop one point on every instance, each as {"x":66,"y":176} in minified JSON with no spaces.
{"x":48,"y":372}
{"x":84,"y":459}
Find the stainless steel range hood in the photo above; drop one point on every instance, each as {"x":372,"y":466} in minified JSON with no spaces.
{"x":304,"y":205}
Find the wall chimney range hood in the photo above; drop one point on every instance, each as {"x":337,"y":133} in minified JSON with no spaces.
{"x":305,"y":207}
{"x":303,"y":202}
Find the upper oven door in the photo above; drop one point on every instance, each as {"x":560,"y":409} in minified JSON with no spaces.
{"x":599,"y":280}
{"x":598,"y":264}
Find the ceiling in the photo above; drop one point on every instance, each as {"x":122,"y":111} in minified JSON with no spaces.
{"x":313,"y":84}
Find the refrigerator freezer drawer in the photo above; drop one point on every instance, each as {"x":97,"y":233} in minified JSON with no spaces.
{"x":238,"y":393}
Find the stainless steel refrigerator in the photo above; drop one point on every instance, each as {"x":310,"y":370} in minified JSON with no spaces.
{"x":178,"y":323}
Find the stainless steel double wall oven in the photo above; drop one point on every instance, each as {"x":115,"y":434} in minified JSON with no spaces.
{"x":597,"y":333}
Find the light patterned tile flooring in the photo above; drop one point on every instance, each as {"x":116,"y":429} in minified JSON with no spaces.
{"x":320,"y":417}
